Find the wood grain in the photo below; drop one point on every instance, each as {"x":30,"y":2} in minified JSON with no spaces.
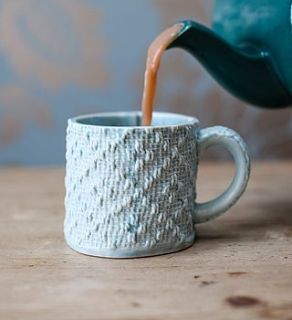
{"x":239,"y":268}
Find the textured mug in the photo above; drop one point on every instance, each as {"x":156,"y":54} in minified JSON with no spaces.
{"x":131,"y":189}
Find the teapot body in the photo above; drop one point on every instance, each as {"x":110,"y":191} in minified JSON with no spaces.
{"x":262,"y":24}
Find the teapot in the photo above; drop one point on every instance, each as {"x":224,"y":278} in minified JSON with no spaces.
{"x":248,"y":50}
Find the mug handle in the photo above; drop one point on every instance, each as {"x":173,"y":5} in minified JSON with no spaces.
{"x":229,"y":139}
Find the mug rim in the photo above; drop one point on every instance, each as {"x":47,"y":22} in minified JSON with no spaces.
{"x":183,"y":119}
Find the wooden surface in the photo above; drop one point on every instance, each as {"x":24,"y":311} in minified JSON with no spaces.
{"x":239,"y":268}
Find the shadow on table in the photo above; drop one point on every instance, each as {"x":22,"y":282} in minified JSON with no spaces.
{"x":269,"y":218}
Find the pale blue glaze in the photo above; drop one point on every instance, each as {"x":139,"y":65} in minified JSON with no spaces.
{"x":131,"y":189}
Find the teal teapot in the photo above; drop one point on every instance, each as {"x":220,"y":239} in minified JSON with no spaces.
{"x":248,"y":50}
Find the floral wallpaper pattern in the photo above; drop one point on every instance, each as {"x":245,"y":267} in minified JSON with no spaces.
{"x":61,"y":58}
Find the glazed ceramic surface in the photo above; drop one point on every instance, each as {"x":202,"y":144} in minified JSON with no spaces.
{"x":131,"y":190}
{"x":248,"y":50}
{"x":265,"y":24}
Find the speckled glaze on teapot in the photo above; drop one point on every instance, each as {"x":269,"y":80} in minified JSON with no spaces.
{"x":248,"y":50}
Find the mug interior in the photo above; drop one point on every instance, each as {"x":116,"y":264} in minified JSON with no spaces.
{"x":134,"y":119}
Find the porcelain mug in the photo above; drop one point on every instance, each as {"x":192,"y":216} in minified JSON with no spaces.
{"x":131,"y":189}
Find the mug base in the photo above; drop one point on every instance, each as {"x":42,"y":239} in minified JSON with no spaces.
{"x":127,"y":253}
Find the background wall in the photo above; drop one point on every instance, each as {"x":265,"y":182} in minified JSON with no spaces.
{"x":60,"y":58}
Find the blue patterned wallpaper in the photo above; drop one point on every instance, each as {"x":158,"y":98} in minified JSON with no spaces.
{"x":60,"y":58}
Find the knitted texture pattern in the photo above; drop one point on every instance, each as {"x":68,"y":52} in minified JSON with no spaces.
{"x":130,"y":188}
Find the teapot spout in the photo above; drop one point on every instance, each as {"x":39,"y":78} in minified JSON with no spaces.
{"x":245,"y":71}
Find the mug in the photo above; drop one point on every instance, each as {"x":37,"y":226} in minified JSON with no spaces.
{"x":131,"y":189}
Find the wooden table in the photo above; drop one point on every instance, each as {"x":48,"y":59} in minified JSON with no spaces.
{"x":239,"y":268}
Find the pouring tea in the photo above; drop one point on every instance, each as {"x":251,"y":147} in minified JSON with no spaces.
{"x":131,"y":188}
{"x":248,"y":51}
{"x":155,"y":52}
